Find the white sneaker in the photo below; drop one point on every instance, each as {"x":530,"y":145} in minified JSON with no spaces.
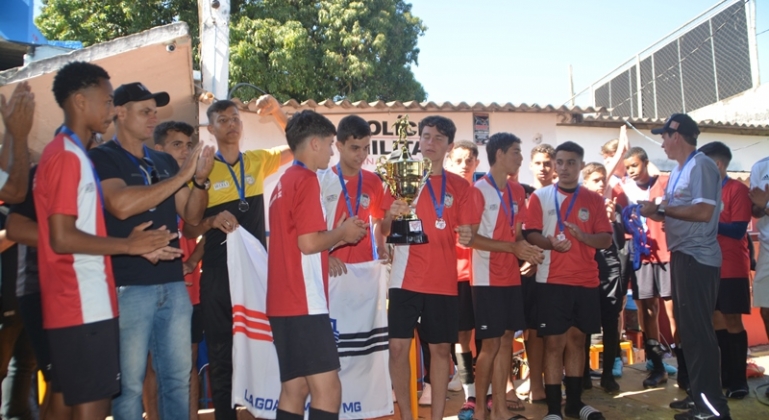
{"x":427,"y":396}
{"x":455,"y":385}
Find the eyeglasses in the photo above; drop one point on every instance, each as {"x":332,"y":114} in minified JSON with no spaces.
{"x":152,"y":174}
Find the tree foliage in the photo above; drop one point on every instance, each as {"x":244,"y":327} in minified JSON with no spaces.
{"x":354,"y":49}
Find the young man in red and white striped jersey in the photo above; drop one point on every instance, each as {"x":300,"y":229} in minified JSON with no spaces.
{"x":76,"y":280}
{"x":499,"y":206}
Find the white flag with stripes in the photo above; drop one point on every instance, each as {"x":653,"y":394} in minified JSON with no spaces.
{"x":359,"y":318}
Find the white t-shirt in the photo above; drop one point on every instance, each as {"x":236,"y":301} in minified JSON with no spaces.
{"x":759,"y":177}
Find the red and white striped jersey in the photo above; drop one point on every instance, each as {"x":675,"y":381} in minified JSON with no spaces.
{"x":496,"y":268}
{"x":76,"y":289}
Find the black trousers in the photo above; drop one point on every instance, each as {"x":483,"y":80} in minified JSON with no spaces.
{"x":217,"y":323}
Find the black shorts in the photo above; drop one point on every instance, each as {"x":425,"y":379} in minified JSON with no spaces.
{"x":562,"y":307}
{"x":734,"y":296}
{"x":497,"y":309}
{"x":652,"y":280}
{"x":31,"y":311}
{"x":305,"y":344}
{"x":529,"y":291}
{"x":466,"y":313}
{"x":438,"y":313}
{"x":85,"y":361}
{"x":197,"y":324}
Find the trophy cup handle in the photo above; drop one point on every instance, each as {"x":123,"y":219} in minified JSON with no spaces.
{"x":381,"y":170}
{"x":428,"y":166}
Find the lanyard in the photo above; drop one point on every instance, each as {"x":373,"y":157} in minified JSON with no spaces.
{"x":241,"y":187}
{"x":723,"y":183}
{"x":509,"y":210}
{"x":438,"y":207}
{"x":568,"y":209}
{"x":672,"y":191}
{"x":298,"y":163}
{"x":344,"y":190}
{"x":75,"y":139}
{"x":135,"y":161}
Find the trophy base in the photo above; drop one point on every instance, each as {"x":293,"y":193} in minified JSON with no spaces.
{"x":407,"y":232}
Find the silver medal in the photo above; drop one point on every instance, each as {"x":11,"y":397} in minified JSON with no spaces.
{"x":561,"y":237}
{"x":243,"y":206}
{"x":440,"y":224}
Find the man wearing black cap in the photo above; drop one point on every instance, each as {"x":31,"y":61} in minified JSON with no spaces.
{"x":141,"y":184}
{"x":691,"y":226}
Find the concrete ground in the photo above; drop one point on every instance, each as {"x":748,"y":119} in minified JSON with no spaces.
{"x":633,"y":403}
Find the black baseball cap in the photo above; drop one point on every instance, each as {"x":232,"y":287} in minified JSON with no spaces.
{"x":135,"y":92}
{"x":681,"y":123}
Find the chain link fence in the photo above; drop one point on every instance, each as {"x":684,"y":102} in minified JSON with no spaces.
{"x":710,"y":58}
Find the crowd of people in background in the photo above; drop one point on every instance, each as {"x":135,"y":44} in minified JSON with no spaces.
{"x":114,"y":260}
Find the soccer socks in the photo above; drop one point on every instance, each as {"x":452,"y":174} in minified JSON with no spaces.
{"x":285,"y":415}
{"x":316,"y":414}
{"x":465,"y":367}
{"x":553,"y":399}
{"x":738,"y":353}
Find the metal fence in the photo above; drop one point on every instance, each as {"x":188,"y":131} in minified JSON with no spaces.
{"x":708,"y":59}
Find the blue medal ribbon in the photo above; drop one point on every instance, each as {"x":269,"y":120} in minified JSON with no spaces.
{"x":135,"y":161}
{"x":298,"y":163}
{"x":241,"y":187}
{"x":671,"y":191}
{"x":344,"y":190}
{"x":75,"y":139}
{"x":508,"y":210}
{"x":439,"y":207}
{"x":568,"y":209}
{"x":723,"y":183}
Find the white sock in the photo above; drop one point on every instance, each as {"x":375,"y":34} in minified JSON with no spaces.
{"x":469,"y":391}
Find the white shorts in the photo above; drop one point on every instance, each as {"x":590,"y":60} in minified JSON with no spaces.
{"x":761,"y":280}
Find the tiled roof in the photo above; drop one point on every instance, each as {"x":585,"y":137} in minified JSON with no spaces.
{"x":344,"y":105}
{"x":649,"y":123}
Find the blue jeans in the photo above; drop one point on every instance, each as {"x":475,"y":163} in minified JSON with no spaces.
{"x":154,"y":319}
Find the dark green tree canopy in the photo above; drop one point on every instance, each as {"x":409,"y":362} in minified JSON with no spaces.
{"x":301,"y":49}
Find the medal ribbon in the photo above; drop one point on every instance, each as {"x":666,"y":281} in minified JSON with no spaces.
{"x":568,"y":209}
{"x":242,"y":186}
{"x":344,"y":190}
{"x":75,"y":139}
{"x":135,"y":161}
{"x":508,"y":210}
{"x":438,"y":207}
{"x":723,"y":183}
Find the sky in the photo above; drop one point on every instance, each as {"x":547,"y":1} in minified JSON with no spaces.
{"x":519,"y":51}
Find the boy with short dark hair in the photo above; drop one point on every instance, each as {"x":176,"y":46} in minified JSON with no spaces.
{"x":498,"y":206}
{"x":569,"y":222}
{"x":297,"y":275}
{"x":76,"y":280}
{"x":734,"y":291}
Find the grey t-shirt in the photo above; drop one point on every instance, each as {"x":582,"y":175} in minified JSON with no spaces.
{"x":698,"y":181}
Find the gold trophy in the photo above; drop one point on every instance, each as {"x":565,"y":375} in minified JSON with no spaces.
{"x":405,"y":177}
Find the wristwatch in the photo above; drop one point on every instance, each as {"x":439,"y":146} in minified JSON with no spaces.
{"x":661,"y":209}
{"x":206,"y":185}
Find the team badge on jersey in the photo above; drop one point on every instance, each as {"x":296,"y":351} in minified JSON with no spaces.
{"x":583,"y":214}
{"x":250,"y":180}
{"x":449,"y":200}
{"x":365,"y":201}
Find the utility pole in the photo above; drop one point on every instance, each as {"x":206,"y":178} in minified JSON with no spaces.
{"x":571,"y":86}
{"x":215,"y":46}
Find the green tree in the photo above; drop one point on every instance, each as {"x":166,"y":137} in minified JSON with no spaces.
{"x":359,"y":50}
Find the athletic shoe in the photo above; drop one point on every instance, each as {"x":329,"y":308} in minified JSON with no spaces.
{"x":455,"y":385}
{"x":655,"y":379}
{"x":682,"y":405}
{"x":690,"y":415}
{"x":616,"y":370}
{"x":468,"y":410}
{"x":671,"y":370}
{"x":738,"y":393}
{"x":427,"y":395}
